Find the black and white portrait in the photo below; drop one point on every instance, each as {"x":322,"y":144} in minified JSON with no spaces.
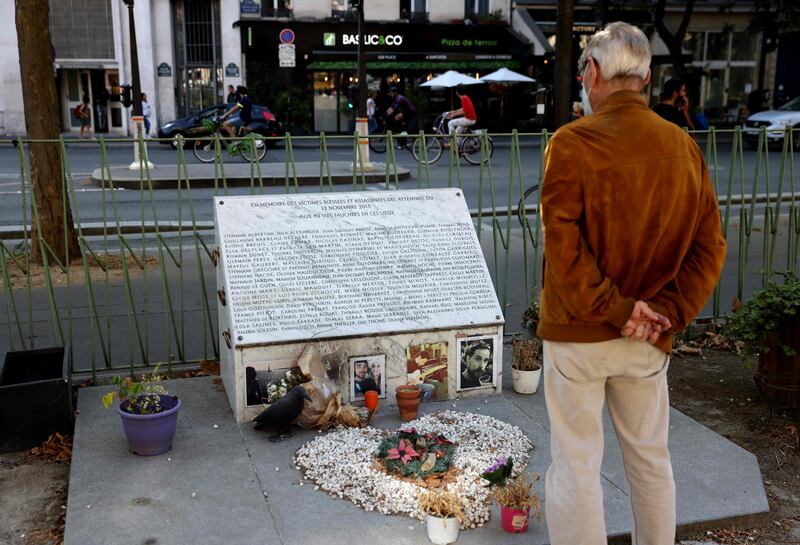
{"x":476,"y":362}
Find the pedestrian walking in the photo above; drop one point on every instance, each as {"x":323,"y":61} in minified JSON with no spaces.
{"x":146,"y":115}
{"x":372,"y":122}
{"x":84,"y":113}
{"x":102,"y":110}
{"x":231,"y":98}
{"x":633,"y":249}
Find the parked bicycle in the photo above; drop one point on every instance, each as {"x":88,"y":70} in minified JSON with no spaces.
{"x":251,"y":147}
{"x":470,"y":144}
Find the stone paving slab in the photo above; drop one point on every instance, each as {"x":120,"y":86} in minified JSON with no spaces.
{"x":118,"y":498}
{"x":242,"y":499}
{"x":242,"y":174}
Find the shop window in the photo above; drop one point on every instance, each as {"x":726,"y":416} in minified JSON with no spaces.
{"x":744,"y":46}
{"x":198,"y":54}
{"x":693,"y":45}
{"x":82,"y":29}
{"x":717,"y":46}
{"x":478,"y":8}
{"x":116,"y":118}
{"x":740,"y":83}
{"x":343,"y":9}
{"x":276,"y":8}
{"x":414,"y":10}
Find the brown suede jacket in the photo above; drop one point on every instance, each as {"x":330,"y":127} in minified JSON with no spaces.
{"x":629,"y":214}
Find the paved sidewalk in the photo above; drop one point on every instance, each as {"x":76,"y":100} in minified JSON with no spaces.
{"x":245,"y":174}
{"x":230,"y":485}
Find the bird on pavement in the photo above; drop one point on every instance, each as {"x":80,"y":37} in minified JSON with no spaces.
{"x":280,"y":415}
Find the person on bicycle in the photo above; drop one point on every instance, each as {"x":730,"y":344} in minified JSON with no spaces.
{"x":245,"y":108}
{"x":464,"y":116}
{"x":402,"y":111}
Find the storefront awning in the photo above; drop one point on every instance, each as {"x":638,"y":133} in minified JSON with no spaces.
{"x":464,"y":66}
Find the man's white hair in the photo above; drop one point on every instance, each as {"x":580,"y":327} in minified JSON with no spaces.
{"x":620,"y":50}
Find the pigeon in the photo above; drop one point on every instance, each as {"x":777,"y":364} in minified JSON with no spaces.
{"x":280,"y":415}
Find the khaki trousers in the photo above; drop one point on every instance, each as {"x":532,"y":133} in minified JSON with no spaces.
{"x":632,"y":377}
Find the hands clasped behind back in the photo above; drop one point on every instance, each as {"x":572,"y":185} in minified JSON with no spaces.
{"x":645,"y":324}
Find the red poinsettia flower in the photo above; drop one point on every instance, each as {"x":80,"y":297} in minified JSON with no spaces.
{"x":404,"y":452}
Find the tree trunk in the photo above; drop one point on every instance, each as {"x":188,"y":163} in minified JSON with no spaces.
{"x":565,"y":69}
{"x":42,"y":123}
{"x":674,"y":42}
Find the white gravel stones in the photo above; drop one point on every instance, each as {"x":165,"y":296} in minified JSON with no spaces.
{"x":341,"y":463}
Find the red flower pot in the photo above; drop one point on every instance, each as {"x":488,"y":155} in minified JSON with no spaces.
{"x":514,"y":520}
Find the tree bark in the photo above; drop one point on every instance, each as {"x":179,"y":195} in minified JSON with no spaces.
{"x":674,"y":42}
{"x":565,"y":69}
{"x":40,"y":102}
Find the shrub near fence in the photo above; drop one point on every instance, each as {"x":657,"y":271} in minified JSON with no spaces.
{"x":144,"y":289}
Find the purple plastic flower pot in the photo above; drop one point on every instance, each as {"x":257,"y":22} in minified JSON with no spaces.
{"x":151,"y":434}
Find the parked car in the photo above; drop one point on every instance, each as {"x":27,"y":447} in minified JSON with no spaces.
{"x":264,"y":123}
{"x":775,"y":122}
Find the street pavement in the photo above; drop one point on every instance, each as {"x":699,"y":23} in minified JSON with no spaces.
{"x":499,"y":184}
{"x":225,"y":483}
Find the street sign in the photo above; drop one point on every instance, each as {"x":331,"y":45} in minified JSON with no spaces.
{"x":286,"y":55}
{"x":287,"y":36}
{"x":164,"y":70}
{"x":231,"y":71}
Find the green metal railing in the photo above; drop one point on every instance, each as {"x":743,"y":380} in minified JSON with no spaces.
{"x":144,"y":287}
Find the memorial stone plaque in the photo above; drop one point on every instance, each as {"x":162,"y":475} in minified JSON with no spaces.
{"x":316,"y":266}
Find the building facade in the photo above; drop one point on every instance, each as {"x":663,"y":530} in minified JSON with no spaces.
{"x":299,"y":56}
{"x":190,"y":50}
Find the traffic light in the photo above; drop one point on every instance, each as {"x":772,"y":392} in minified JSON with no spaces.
{"x":352,"y":97}
{"x":126,"y":96}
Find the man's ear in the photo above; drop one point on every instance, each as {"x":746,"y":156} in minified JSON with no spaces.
{"x":592,"y":71}
{"x":647,"y":77}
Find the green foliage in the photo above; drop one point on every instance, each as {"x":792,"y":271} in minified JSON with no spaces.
{"x":141,"y":397}
{"x":760,"y":319}
{"x":499,"y":472}
{"x":423,"y":444}
{"x":294,"y":109}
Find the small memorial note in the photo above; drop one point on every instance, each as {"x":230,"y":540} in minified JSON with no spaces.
{"x":311,"y":266}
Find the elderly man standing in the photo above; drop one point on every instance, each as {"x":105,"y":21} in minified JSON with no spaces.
{"x":633,"y":249}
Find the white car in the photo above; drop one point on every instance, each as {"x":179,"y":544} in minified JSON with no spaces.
{"x":775,"y":122}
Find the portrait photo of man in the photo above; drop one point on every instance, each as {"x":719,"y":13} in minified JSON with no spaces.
{"x":476,"y":363}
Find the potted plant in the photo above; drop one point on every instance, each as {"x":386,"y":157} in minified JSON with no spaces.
{"x":530,"y":318}
{"x":515,"y":496}
{"x":444,"y":515}
{"x":408,"y":397}
{"x":526,"y":365}
{"x":149,"y":415}
{"x":769,"y":325}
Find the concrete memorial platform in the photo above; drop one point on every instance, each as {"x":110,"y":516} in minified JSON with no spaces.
{"x":228,"y":484}
{"x":388,"y":288}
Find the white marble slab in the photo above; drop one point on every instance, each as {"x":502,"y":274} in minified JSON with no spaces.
{"x":303,"y":266}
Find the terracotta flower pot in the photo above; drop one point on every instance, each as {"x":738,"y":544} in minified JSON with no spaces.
{"x":408,"y":398}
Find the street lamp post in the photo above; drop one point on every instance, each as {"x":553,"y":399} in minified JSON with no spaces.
{"x":136,"y":117}
{"x":362,"y":122}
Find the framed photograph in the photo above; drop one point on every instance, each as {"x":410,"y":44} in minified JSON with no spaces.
{"x":267,"y":382}
{"x":426,"y":366}
{"x":477,"y":367}
{"x":367,"y":373}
